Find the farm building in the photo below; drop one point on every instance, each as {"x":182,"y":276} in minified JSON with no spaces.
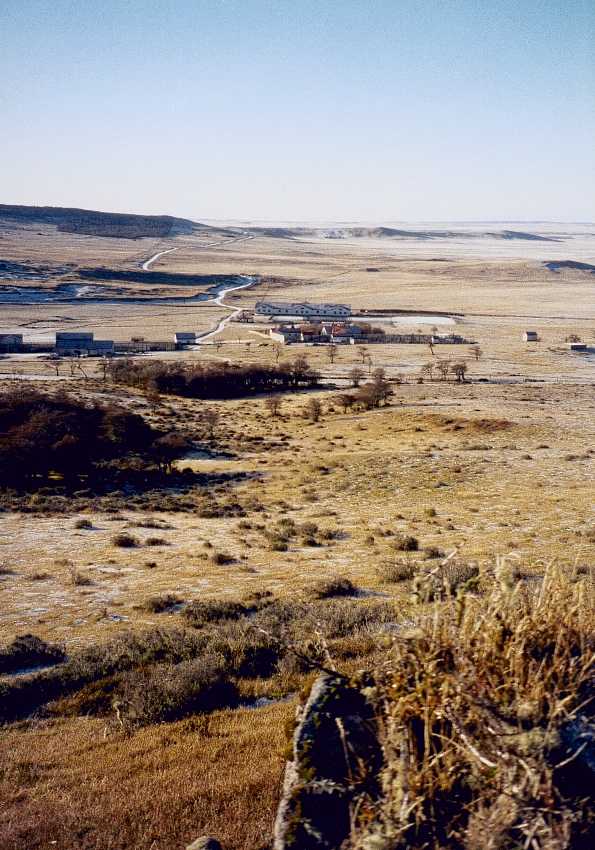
{"x":11,"y":342}
{"x":82,"y":342}
{"x":301,"y":308}
{"x":530,"y":336}
{"x":577,"y":346}
{"x":185,"y":337}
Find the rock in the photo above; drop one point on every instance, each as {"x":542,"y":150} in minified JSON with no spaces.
{"x":336,"y":757}
{"x":205,"y":842}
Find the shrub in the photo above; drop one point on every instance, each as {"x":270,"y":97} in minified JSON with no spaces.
{"x":83,"y":523}
{"x":124,"y":540}
{"x":392,"y":573}
{"x":405,"y":543}
{"x":27,"y":651}
{"x":222,"y":558}
{"x":159,"y":604}
{"x":444,"y":581}
{"x":79,"y":578}
{"x":199,"y":613}
{"x":166,"y":693}
{"x":338,"y":586}
{"x":156,"y":541}
{"x":432,"y":552}
{"x":129,"y":650}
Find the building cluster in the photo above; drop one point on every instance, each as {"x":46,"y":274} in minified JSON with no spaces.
{"x":84,"y":344}
{"x":349,"y":333}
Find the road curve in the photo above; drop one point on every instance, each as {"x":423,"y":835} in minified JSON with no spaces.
{"x":201,"y":338}
{"x":148,"y":263}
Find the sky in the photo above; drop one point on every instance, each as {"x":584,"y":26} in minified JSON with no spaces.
{"x":295,"y":110}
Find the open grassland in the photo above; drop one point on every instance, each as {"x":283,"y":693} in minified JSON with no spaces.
{"x":441,"y":464}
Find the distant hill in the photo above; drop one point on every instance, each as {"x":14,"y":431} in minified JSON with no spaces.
{"x":559,"y":265}
{"x":392,"y":233}
{"x":94,"y":223}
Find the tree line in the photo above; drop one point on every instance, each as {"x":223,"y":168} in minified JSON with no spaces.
{"x":213,"y":380}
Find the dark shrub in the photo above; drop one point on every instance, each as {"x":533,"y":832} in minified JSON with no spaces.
{"x":83,"y":523}
{"x":405,"y":543}
{"x":124,"y":540}
{"x":20,"y":697}
{"x":28,"y":651}
{"x":165,"y":692}
{"x":200,"y":613}
{"x":159,"y":604}
{"x":156,"y":541}
{"x":392,"y":573}
{"x":222,"y":558}
{"x":338,"y":586}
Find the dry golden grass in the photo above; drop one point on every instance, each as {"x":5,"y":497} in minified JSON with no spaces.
{"x":68,"y":782}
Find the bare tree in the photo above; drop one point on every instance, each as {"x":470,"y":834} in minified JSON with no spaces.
{"x":356,"y":375}
{"x":273,"y":403}
{"x":459,"y":370}
{"x":211,"y":419}
{"x":369,"y":363}
{"x":431,"y":347}
{"x":476,"y":350}
{"x":313,"y":409}
{"x":362,"y":353}
{"x":346,"y":400}
{"x":331,"y":351}
{"x":277,"y":348}
{"x":218,"y":345}
{"x":427,"y":370}
{"x":104,"y":367}
{"x":443,"y":367}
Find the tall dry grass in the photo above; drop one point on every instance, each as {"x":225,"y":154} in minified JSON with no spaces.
{"x":482,"y":712}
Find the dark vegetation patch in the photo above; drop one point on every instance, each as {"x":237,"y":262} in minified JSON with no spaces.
{"x":254,"y":638}
{"x":28,"y":651}
{"x":213,"y":380}
{"x":47,"y":440}
{"x":337,"y":586}
{"x":167,"y":278}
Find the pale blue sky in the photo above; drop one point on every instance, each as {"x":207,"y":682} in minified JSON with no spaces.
{"x":293,"y":110}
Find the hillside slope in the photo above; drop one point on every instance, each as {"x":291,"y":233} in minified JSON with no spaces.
{"x":95,"y":223}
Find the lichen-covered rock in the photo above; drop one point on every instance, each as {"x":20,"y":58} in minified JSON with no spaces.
{"x":336,"y":758}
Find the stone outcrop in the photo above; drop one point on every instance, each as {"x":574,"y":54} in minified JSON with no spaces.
{"x":336,"y":759}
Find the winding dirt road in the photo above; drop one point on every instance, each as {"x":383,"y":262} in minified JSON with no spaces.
{"x":148,"y":263}
{"x":219,"y":300}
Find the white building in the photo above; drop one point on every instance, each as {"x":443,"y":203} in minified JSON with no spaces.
{"x":302,"y":308}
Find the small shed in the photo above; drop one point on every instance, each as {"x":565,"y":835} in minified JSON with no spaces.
{"x":185,"y":337}
{"x":530,"y":336}
{"x":577,"y":346}
{"x":11,"y":342}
